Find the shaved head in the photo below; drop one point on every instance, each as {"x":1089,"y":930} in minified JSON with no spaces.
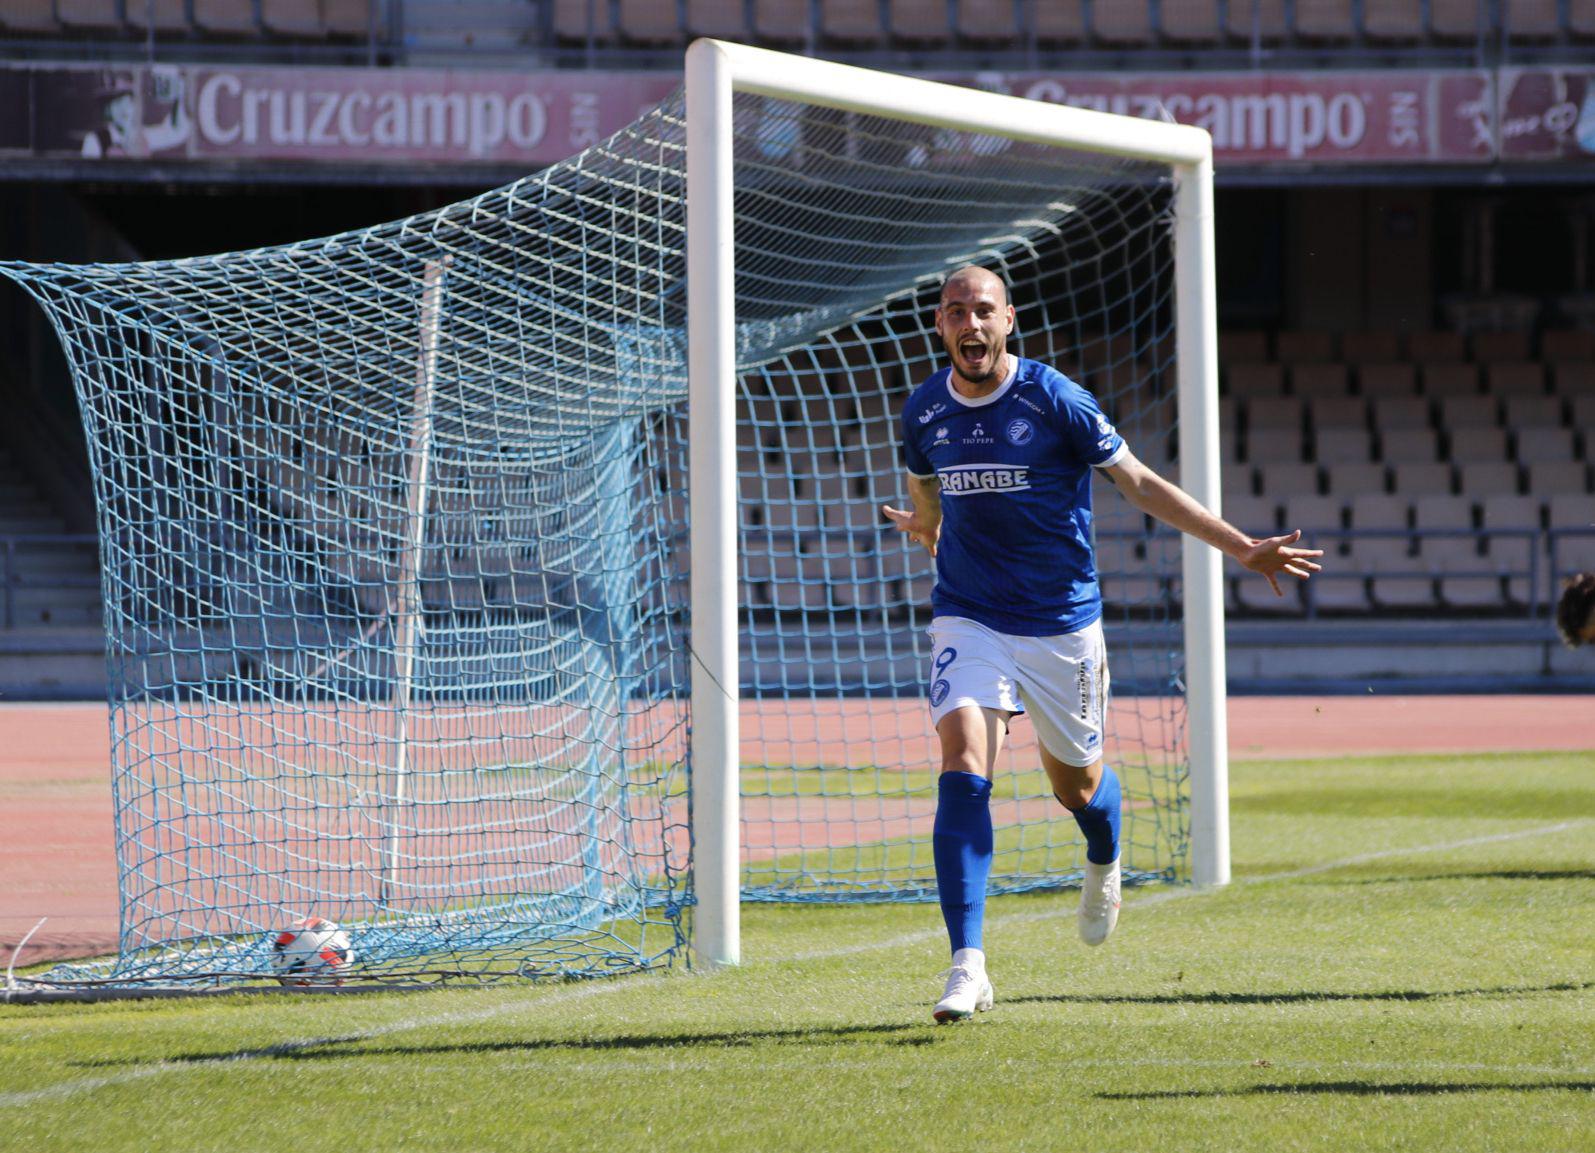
{"x":977,"y":279}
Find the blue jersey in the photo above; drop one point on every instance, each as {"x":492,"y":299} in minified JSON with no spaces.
{"x":1015,"y":471}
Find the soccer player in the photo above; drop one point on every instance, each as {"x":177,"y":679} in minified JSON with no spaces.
{"x":1000,"y":452}
{"x":1575,"y":611}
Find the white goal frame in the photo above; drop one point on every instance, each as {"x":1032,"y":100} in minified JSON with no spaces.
{"x":714,"y":71}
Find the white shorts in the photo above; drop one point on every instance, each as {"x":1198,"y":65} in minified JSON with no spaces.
{"x":1061,"y":681}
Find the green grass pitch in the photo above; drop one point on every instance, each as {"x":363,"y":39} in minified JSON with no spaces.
{"x":1406,"y":960}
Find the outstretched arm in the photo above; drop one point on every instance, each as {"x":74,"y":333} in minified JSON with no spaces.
{"x":1172,"y":505}
{"x":923,"y":523}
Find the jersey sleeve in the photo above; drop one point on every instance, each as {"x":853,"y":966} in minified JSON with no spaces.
{"x":1087,"y":430}
{"x":914,"y":458}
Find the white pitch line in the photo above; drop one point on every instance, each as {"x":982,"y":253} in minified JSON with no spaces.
{"x":236,"y":1060}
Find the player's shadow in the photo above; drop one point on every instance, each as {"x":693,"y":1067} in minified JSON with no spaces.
{"x":1294,"y":997}
{"x":339,"y":1048}
{"x":1357,"y":1089}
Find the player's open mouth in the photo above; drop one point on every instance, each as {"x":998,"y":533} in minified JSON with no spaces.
{"x":973,"y":353}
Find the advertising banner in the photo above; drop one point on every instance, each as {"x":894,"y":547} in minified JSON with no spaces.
{"x":210,"y":115}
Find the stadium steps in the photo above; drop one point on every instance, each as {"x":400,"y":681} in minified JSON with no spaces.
{"x":54,"y":579}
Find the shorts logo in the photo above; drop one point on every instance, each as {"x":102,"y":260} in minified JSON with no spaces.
{"x":1020,"y":432}
{"x":938,"y":693}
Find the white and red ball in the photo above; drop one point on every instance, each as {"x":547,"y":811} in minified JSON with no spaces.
{"x":311,"y":951}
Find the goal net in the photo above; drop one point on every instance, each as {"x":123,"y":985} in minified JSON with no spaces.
{"x":396,"y":551}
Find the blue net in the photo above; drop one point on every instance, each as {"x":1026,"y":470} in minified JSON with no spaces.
{"x":395,"y":559}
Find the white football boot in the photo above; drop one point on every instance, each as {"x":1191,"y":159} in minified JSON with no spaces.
{"x":1099,"y":902}
{"x":968,"y":991}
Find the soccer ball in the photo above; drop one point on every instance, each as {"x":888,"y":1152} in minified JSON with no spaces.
{"x":311,"y":951}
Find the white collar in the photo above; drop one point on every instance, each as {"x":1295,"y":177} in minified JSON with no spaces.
{"x":990,"y":398}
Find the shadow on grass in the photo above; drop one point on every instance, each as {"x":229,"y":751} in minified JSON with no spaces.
{"x":1358,"y":1089}
{"x":335,"y":1048}
{"x":1497,"y":875}
{"x":1298,"y":997}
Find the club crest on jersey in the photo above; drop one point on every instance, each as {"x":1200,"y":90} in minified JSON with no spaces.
{"x":1020,"y":431}
{"x":932,"y":413}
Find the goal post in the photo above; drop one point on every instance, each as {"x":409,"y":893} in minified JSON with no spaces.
{"x":716,"y":71}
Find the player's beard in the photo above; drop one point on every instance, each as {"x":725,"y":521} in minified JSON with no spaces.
{"x":989,"y":366}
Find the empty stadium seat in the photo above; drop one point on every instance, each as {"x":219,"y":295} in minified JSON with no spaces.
{"x":1249,"y":380}
{"x":1268,"y":445}
{"x":1280,"y":479}
{"x":1511,"y":526}
{"x":583,"y":21}
{"x":1314,"y":380}
{"x":1376,"y":346}
{"x":1477,"y":443}
{"x":1335,"y":445}
{"x":1338,"y":412}
{"x":850,"y":22}
{"x":1454,"y":552}
{"x":98,"y":15}
{"x":1312,"y":513}
{"x":1481,"y":478}
{"x":1490,"y":347}
{"x":1431,"y":345}
{"x":1125,"y":22}
{"x":1235,"y":480}
{"x":1239,"y":345}
{"x":1382,"y":549}
{"x":1061,"y":22}
{"x":783,"y":22}
{"x":1462,"y":20}
{"x":1548,"y":478}
{"x":1568,"y":343}
{"x":353,"y":17}
{"x":1392,"y":412}
{"x":1305,"y":347}
{"x":1515,"y":376}
{"x":919,"y":23}
{"x":1581,"y":408}
{"x":1571,"y":517}
{"x":1530,"y":19}
{"x":1393,"y":21}
{"x":1465,"y":410}
{"x":1275,"y":413}
{"x":1572,"y":378}
{"x":29,"y":16}
{"x":993,"y":22}
{"x":1581,"y":18}
{"x":1387,"y":378}
{"x":1449,"y":378}
{"x":648,"y":22}
{"x":1331,"y":20}
{"x":1191,"y":21}
{"x":292,"y":17}
{"x":1409,"y":445}
{"x":1262,"y":20}
{"x":1345,"y":479}
{"x":721,"y":19}
{"x":1531,"y":409}
{"x":1258,"y":515}
{"x":1421,"y":479}
{"x":1544,"y":444}
{"x":152,"y":15}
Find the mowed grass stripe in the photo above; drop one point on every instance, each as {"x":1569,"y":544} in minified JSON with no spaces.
{"x":1381,"y":977}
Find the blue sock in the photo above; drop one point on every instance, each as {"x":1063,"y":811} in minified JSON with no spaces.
{"x":1099,"y":820}
{"x":962,"y":845}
